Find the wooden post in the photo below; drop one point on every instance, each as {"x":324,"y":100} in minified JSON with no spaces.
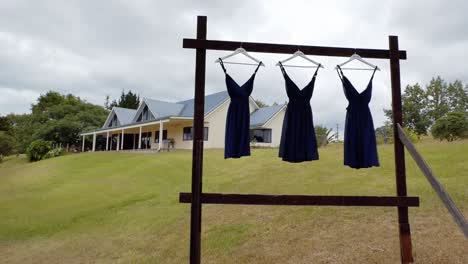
{"x":94,"y":142}
{"x":400,"y":170}
{"x":83,"y":145}
{"x":107,"y":141}
{"x":118,"y":141}
{"x":139,"y":139}
{"x":160,"y":135}
{"x":122,"y":139}
{"x":197,"y":154}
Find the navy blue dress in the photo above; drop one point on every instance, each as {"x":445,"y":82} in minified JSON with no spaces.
{"x":298,"y":142}
{"x":237,"y":138}
{"x":360,"y":148}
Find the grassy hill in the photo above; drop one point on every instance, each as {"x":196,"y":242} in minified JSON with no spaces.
{"x":123,"y":208}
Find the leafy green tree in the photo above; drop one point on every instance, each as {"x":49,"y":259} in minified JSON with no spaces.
{"x":56,"y":118}
{"x":414,"y":108}
{"x":127,"y":100}
{"x":22,"y":130}
{"x":437,"y":100}
{"x":451,"y":127}
{"x":384,"y":134}
{"x":5,"y":124}
{"x":7,"y":144}
{"x":457,"y":97}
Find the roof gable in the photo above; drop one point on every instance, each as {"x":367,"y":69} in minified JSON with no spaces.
{"x":212,"y":101}
{"x":161,"y":108}
{"x":124,"y":116}
{"x":262,"y":115}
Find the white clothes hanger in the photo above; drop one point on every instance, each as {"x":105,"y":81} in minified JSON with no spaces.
{"x":300,"y":54}
{"x":355,"y":56}
{"x":242,"y":51}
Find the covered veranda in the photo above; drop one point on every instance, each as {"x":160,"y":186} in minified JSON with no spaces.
{"x":141,"y":136}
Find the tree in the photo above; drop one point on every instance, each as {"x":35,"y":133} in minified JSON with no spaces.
{"x":451,"y":127}
{"x":384,"y":134}
{"x":7,"y":144}
{"x":323,"y":136}
{"x":457,"y":97}
{"x":56,"y":118}
{"x":127,"y":100}
{"x":22,"y":130}
{"x":414,"y":109}
{"x":5,"y":124}
{"x":260,"y":103}
{"x":437,"y":101}
{"x":107,"y":103}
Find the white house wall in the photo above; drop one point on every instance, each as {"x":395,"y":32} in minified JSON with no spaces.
{"x":276,"y":126}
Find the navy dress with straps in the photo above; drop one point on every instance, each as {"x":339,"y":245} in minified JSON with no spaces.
{"x":237,"y":138}
{"x":298,"y":142}
{"x":360,"y":148}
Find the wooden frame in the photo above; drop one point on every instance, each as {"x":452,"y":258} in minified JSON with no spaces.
{"x":197,"y":197}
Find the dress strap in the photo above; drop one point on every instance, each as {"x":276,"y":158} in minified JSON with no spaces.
{"x":282,"y":68}
{"x":318,"y":67}
{"x":339,"y":71}
{"x":375,"y":69}
{"x":222,"y":65}
{"x":260,"y":63}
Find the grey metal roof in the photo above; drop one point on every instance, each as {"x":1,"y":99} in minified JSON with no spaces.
{"x":262,"y":115}
{"x":124,"y":115}
{"x":161,"y":108}
{"x":211,"y":102}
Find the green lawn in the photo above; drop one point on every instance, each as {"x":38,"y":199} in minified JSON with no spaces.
{"x":123,"y":208}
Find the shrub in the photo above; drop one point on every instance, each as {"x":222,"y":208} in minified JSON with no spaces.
{"x":411,"y":135}
{"x":452,"y":126}
{"x":53,"y":153}
{"x":38,"y":149}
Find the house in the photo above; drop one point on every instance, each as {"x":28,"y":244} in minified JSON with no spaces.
{"x":128,"y":129}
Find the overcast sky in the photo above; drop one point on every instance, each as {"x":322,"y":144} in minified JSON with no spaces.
{"x":97,"y":48}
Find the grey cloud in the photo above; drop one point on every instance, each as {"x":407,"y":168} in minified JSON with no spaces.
{"x":94,"y":48}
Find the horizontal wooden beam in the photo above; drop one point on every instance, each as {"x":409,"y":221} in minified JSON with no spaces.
{"x":288,"y":49}
{"x":436,"y":185}
{"x":261,"y":199}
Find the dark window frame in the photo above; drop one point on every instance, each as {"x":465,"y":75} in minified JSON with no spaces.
{"x":156,"y":136}
{"x":187,"y":133}
{"x":266,"y":138}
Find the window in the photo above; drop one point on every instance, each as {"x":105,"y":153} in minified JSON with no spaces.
{"x":146,"y":140}
{"x":188,"y":133}
{"x":260,"y":135}
{"x":114,"y":121}
{"x":156,"y":136}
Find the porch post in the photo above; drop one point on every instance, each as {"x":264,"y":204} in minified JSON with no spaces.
{"x":122,"y":143}
{"x":107,"y":141}
{"x":160,"y":135}
{"x":118,"y":142}
{"x":133,"y":141}
{"x":82,"y":148}
{"x":110,"y":144}
{"x":94,"y":142}
{"x":139,"y":140}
